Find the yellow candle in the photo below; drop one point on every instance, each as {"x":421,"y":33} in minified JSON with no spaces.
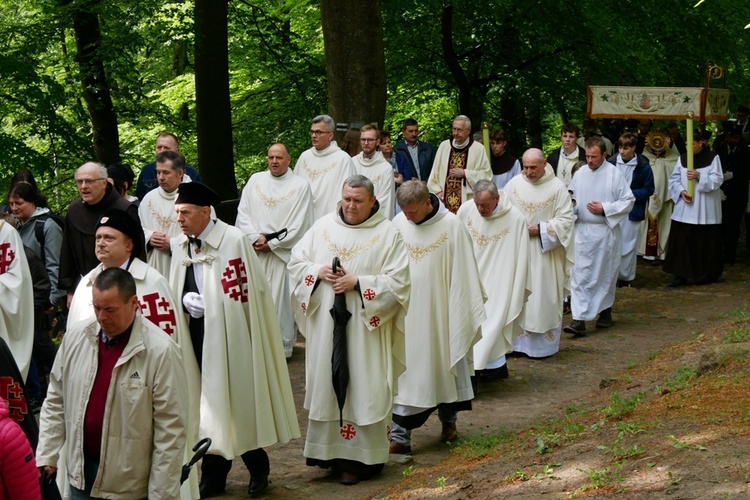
{"x":690,"y":159}
{"x":486,"y":139}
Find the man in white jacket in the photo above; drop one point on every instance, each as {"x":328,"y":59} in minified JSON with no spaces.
{"x":116,"y":398}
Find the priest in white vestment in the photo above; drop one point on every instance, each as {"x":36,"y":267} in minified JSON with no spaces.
{"x":655,"y":229}
{"x":544,"y":200}
{"x":459,"y":163}
{"x":445,"y":316}
{"x":274,"y":213}
{"x":371,"y":163}
{"x":374,"y":278}
{"x":244,"y":392}
{"x":501,"y":245}
{"x":603,"y":200}
{"x":16,"y":297}
{"x":325,"y":166}
{"x":157,"y":210}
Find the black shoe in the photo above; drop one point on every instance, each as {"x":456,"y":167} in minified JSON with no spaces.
{"x":566,"y":306}
{"x":577,"y":328}
{"x":605,"y":318}
{"x":258,"y":484}
{"x":623,"y":284}
{"x":208,"y":490}
{"x":678,"y":281}
{"x":493,"y":374}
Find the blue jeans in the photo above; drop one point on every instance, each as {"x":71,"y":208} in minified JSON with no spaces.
{"x":90,"y":468}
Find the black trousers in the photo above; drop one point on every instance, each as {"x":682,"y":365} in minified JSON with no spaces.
{"x":215,"y":468}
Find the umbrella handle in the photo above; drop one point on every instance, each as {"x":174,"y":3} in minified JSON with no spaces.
{"x":335,"y":265}
{"x":200,"y":449}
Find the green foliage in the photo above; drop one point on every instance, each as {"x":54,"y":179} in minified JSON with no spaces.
{"x":619,"y":407}
{"x":738,"y":335}
{"x":478,"y":445}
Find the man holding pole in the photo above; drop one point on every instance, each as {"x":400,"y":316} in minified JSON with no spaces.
{"x":694,"y":248}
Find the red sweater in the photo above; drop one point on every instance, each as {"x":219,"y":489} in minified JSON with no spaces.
{"x":18,"y":476}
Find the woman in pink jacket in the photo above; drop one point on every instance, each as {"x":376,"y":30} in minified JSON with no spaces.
{"x":18,"y":474}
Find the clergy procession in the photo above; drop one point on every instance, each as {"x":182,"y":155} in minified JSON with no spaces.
{"x":414,"y":275}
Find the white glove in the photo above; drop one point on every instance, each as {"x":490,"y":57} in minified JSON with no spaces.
{"x":193,"y":302}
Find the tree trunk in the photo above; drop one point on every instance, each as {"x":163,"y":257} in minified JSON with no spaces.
{"x":212,"y":105}
{"x":466,"y":101}
{"x":355,"y":60}
{"x":95,"y":84}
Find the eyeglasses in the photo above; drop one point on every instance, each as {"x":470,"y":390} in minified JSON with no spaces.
{"x":316,"y":133}
{"x":367,"y":140}
{"x":84,"y":182}
{"x":460,"y":129}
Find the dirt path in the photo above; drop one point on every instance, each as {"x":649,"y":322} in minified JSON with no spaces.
{"x":648,"y":317}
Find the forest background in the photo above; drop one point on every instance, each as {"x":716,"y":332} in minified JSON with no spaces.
{"x":93,"y":80}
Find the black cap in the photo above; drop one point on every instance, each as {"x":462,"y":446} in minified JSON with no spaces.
{"x":126,"y":224}
{"x":121,"y":172}
{"x":197,"y":193}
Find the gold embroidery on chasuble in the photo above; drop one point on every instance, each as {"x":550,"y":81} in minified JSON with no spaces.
{"x":418,"y":253}
{"x":530,"y":207}
{"x":346,"y":254}
{"x":483,"y":240}
{"x":452,"y":191}
{"x":315,"y":173}
{"x":164,"y":222}
{"x":652,"y":233}
{"x":271,"y":202}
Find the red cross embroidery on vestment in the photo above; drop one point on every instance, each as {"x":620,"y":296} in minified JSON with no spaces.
{"x":375,"y":321}
{"x":309,"y":280}
{"x":158,"y":310}
{"x":304,"y":307}
{"x":369,"y":294}
{"x":11,"y":391}
{"x":348,"y":432}
{"x":6,"y":257}
{"x":234,"y":281}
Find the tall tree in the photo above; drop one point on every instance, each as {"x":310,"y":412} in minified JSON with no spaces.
{"x":212,"y":105}
{"x":94,"y":80}
{"x":355,"y":60}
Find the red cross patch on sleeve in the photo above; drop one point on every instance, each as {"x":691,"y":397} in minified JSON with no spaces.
{"x":375,"y":321}
{"x":369,"y":294}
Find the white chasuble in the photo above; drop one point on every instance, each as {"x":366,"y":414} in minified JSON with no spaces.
{"x":245,"y":394}
{"x":501,"y":247}
{"x":16,"y":298}
{"x":374,"y":252}
{"x":326,"y":171}
{"x":445,"y":315}
{"x":598,"y":238}
{"x":380,"y":172}
{"x":268,"y":205}
{"x":545,"y":203}
{"x":157,"y":214}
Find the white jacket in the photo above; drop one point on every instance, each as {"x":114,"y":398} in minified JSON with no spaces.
{"x":144,"y":432}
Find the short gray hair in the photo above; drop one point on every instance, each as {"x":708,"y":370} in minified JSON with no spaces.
{"x":327,"y":120}
{"x":358,"y":181}
{"x":413,"y":191}
{"x":489,"y":186}
{"x":102,"y":169}
{"x":464,"y":119}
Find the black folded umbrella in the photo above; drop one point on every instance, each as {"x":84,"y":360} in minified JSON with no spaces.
{"x":339,"y":361}
{"x":200,"y":449}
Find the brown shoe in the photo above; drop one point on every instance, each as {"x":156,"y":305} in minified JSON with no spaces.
{"x":605,"y":318}
{"x":449,"y":433}
{"x":397,"y":448}
{"x":577,"y":328}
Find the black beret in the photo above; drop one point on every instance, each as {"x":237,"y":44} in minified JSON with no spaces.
{"x":197,"y":193}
